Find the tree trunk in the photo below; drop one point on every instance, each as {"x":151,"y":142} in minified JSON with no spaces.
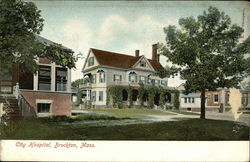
{"x":203,"y":108}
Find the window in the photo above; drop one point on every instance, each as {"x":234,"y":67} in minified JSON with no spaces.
{"x":93,"y":80}
{"x":189,"y":100}
{"x":91,"y":61}
{"x":132,"y":77}
{"x":164,"y":82}
{"x":43,"y":107}
{"x":152,"y":81}
{"x":61,"y":79}
{"x":244,"y":99}
{"x":216,"y":98}
{"x":149,"y":81}
{"x":100,"y":95}
{"x":117,"y":78}
{"x":93,"y":96}
{"x":44,"y":78}
{"x":185,"y":100}
{"x":143,"y":79}
{"x":143,"y":64}
{"x":157,"y":82}
{"x":101,"y":76}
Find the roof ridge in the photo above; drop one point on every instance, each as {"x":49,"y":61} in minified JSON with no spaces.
{"x":115,"y":52}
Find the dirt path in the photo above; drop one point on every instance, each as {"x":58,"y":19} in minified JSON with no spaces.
{"x":244,"y":118}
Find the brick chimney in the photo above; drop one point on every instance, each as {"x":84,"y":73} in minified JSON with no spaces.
{"x":158,"y":57}
{"x":137,"y":53}
{"x":154,"y":52}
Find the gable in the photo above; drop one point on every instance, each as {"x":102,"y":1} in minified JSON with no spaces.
{"x":90,"y":61}
{"x":144,"y":64}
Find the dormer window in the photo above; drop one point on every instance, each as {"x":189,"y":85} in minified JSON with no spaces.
{"x":91,"y":61}
{"x":132,"y":77}
{"x":143,"y":63}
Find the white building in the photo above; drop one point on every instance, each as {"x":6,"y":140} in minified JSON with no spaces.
{"x":106,"y":68}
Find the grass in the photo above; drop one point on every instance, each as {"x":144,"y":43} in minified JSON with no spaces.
{"x":183,"y":112}
{"x":130,"y":112}
{"x":91,"y":116}
{"x":190,"y":129}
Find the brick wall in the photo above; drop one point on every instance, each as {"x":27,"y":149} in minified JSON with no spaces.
{"x":61,"y":102}
{"x":210,"y":98}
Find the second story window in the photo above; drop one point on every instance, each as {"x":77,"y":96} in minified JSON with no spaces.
{"x":143,"y":63}
{"x":44,"y":78}
{"x":132,"y":77}
{"x":93,"y":80}
{"x":91,"y":61}
{"x":117,"y":78}
{"x":143,"y":79}
{"x":61,"y":79}
{"x":101,"y":76}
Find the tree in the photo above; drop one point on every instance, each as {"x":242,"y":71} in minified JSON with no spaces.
{"x":20,"y":25}
{"x":207,"y":52}
{"x":78,"y":82}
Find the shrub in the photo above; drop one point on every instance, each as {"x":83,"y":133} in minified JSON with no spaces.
{"x":96,"y":117}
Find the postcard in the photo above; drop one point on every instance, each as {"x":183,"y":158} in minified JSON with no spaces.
{"x":124,"y":80}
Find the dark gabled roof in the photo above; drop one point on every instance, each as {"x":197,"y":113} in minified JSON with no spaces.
{"x":48,"y":42}
{"x":119,"y":60}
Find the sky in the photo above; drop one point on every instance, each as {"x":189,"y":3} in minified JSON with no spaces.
{"x":123,"y":26}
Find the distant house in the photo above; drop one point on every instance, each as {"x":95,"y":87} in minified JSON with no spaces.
{"x":214,"y":99}
{"x":189,"y":102}
{"x":45,"y":93}
{"x":105,"y":69}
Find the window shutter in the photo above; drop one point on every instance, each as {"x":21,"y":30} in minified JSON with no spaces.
{"x":129,"y":78}
{"x":120,"y":78}
{"x":114,"y":77}
{"x":136,"y":78}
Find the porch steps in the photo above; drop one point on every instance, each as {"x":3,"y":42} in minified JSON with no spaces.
{"x":15,"y":112}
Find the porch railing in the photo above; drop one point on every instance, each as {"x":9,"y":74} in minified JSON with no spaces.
{"x":24,"y":105}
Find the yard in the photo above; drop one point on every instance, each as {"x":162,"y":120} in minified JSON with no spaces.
{"x":136,"y":113}
{"x":123,"y":124}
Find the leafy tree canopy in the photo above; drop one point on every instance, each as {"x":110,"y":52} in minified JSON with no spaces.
{"x":207,"y":52}
{"x":78,"y":82}
{"x":20,"y":25}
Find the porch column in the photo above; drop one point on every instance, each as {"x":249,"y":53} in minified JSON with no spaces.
{"x":87,"y":94}
{"x":53,"y":77}
{"x":35,"y":81}
{"x":69,"y":80}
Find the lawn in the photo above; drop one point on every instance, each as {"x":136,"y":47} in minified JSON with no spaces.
{"x":183,"y":112}
{"x":130,"y":112}
{"x":190,"y":129}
